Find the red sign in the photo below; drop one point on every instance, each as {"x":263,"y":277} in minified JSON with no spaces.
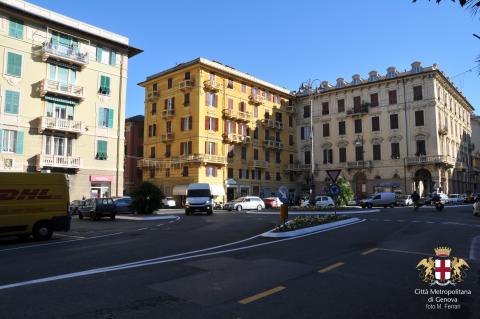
{"x":96,"y":178}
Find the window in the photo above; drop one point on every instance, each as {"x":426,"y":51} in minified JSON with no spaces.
{"x":341,"y":128}
{"x":230,"y":84}
{"x":231,"y":151}
{"x":374,"y":99}
{"x":375,"y":123}
{"x":11,"y":141}
{"x":421,"y":149}
{"x":278,"y":117}
{"x":392,"y":97}
{"x":417,"y":93}
{"x":342,"y":154}
{"x":278,"y":159}
{"x":266,"y":115}
{"x":325,"y":110}
{"x":290,"y":121}
{"x":155,"y":87}
{"x":185,"y":171}
{"x":327,"y":156}
{"x":167,"y":172}
{"x":291,"y":158}
{"x":104,"y":85}
{"x":306,"y":111}
{"x":62,"y":74}
{"x":255,"y":111}
{"x":230,"y":172}
{"x":169,"y":83}
{"x":326,"y":129}
{"x":267,"y":155}
{"x":278,"y":177}
{"x":168,"y":126}
{"x":356,"y":102}
{"x":395,"y":150}
{"x":255,"y":154}
{"x":419,"y":120}
{"x":151,"y":171}
{"x":358,"y":126}
{"x":60,"y":110}
{"x":242,"y":107}
{"x":307,"y":157}
{"x":211,"y":148}
{"x":168,"y":150}
{"x":341,"y":105}
{"x":186,"y":99}
{"x":290,"y":140}
{"x":267,"y":134}
{"x":304,"y":132}
{"x":154,"y":108}
{"x":11,"y":103}
{"x":267,"y":176}
{"x":15,"y":28}
{"x":244,"y":88}
{"x":186,"y":76}
{"x":106,"y":56}
{"x":212,"y":76}
{"x":377,"y":154}
{"x":55,"y":145}
{"x":14,"y":64}
{"x":393,"y":121}
{"x":152,"y":152}
{"x":211,"y":123}
{"x":186,"y":123}
{"x":105,"y":117}
{"x":255,"y":133}
{"x":186,"y":148}
{"x":211,"y":99}
{"x":101,"y":150}
{"x":154,"y":130}
{"x":169,"y":104}
{"x":244,"y":152}
{"x":359,"y":153}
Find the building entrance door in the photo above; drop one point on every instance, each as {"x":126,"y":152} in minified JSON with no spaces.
{"x":230,"y":194}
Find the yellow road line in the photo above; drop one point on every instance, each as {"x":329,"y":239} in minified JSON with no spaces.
{"x":324,"y":270}
{"x":370,"y":251}
{"x":261,"y":295}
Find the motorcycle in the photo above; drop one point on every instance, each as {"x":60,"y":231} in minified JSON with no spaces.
{"x":438,"y":204}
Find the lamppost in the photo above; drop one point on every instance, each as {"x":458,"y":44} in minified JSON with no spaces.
{"x":359,"y":142}
{"x":311,"y":92}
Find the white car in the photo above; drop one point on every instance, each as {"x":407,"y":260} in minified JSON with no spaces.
{"x":324,"y":201}
{"x":245,"y":203}
{"x":404,"y":200}
{"x":168,"y":202}
{"x":456,"y":199}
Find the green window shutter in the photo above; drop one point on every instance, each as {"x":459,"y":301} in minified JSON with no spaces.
{"x":11,"y":102}
{"x":19,"y":146}
{"x":52,"y":71}
{"x":113,"y":58}
{"x":101,"y":150}
{"x":15,"y":28}
{"x":99,"y":54}
{"x":14,"y":64}
{"x":104,"y":84}
{"x":107,"y":84}
{"x":1,"y":139}
{"x":100,"y":116}
{"x":110,"y":118}
{"x":49,"y":109}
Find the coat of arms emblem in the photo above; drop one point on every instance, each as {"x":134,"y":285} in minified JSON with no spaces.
{"x":443,"y":270}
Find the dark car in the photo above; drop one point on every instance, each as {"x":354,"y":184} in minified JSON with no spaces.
{"x":74,"y":206}
{"x":124,"y":204}
{"x":96,"y":208}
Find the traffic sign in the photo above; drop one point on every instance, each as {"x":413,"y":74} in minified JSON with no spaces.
{"x":334,"y":190}
{"x":333,"y":174}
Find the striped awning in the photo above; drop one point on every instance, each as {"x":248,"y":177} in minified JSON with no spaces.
{"x":63,"y":64}
{"x":56,"y":99}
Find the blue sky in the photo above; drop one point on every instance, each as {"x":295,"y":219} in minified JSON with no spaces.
{"x":287,"y":44}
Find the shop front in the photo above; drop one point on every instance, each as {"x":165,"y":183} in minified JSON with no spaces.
{"x":100,"y":186}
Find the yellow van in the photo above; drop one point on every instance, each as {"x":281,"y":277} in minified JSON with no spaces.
{"x":33,"y":204}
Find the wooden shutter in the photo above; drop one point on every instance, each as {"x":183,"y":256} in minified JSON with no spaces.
{"x":207,"y":173}
{"x":19,"y":144}
{"x":206,"y":147}
{"x":173,"y":102}
{"x":302,"y":133}
{"x":234,"y":127}
{"x":181,"y":148}
{"x":225,"y":126}
{"x":216,"y":124}
{"x":230,"y":104}
{"x":215,"y":171}
{"x":182,"y":121}
{"x":166,"y":104}
{"x":206,"y":98}
{"x":190,"y":147}
{"x":190,"y":123}
{"x":215,"y":100}
{"x":207,"y":123}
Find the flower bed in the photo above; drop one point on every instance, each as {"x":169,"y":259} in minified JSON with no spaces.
{"x":308,"y":221}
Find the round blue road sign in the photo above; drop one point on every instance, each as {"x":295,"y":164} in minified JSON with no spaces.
{"x":334,"y":189}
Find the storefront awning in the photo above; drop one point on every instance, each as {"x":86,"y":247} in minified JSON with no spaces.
{"x":217,"y":190}
{"x":180,"y":190}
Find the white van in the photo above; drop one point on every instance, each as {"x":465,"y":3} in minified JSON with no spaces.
{"x":199,"y":199}
{"x":384,"y":199}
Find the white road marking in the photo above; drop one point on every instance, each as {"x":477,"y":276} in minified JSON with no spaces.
{"x":401,"y":220}
{"x":387,"y":220}
{"x":63,"y":235}
{"x":159,"y":225}
{"x":162,"y":260}
{"x":416,"y":221}
{"x":147,"y":218}
{"x":140,"y":229}
{"x":475,"y":248}
{"x":346,"y":212}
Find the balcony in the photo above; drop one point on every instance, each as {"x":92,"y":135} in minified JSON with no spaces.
{"x":290,"y":109}
{"x":58,"y":161}
{"x":153,"y":96}
{"x":359,"y":164}
{"x":61,"y":125}
{"x":237,"y":115}
{"x":186,"y":85}
{"x":212,"y":85}
{"x":55,"y":87}
{"x":300,"y":167}
{"x":358,"y":110}
{"x":443,"y":131}
{"x":430,"y":159}
{"x":255,"y":99}
{"x":201,"y":158}
{"x":69,"y":54}
{"x":167,"y":137}
{"x":168,"y":113}
{"x":258,"y":164}
{"x":232,"y":138}
{"x":461,"y":166}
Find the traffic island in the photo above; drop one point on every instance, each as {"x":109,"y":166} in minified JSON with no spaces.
{"x":310,"y":224}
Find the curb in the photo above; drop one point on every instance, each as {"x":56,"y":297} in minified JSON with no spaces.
{"x":308,"y":230}
{"x":147,"y":218}
{"x":346,"y":212}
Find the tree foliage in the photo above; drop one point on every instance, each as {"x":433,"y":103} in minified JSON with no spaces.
{"x":346,"y":192}
{"x":473,"y":5}
{"x":147,"y":198}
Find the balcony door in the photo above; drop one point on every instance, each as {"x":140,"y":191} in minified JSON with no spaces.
{"x":58,"y":145}
{"x":65,"y":76}
{"x":60,"y":110}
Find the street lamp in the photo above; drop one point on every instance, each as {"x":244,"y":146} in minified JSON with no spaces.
{"x":311,"y":92}
{"x":359,"y":142}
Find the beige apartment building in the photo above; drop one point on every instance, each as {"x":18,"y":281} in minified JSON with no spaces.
{"x":62,"y":90}
{"x":396,"y":131}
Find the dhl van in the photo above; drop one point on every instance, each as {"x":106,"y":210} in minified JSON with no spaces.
{"x":33,"y":204}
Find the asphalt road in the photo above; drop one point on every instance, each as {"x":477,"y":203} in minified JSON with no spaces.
{"x":217,"y":267}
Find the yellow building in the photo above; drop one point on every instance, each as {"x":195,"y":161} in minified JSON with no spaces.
{"x":207,"y":122}
{"x":63,"y":91}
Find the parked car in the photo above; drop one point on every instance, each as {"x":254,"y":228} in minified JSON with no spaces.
{"x":96,"y":208}
{"x":168,"y":202}
{"x":352,"y":202}
{"x":470,"y":198}
{"x":245,"y":203}
{"x":384,"y":199}
{"x":74,"y":205}
{"x":456,"y":199}
{"x":272,"y":202}
{"x":404,"y":200}
{"x":199,"y":198}
{"x":324,"y":201}
{"x":124,"y":204}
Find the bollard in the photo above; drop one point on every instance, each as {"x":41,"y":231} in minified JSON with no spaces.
{"x":283,"y":213}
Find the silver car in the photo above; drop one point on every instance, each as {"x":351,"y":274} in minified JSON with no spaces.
{"x":245,"y":203}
